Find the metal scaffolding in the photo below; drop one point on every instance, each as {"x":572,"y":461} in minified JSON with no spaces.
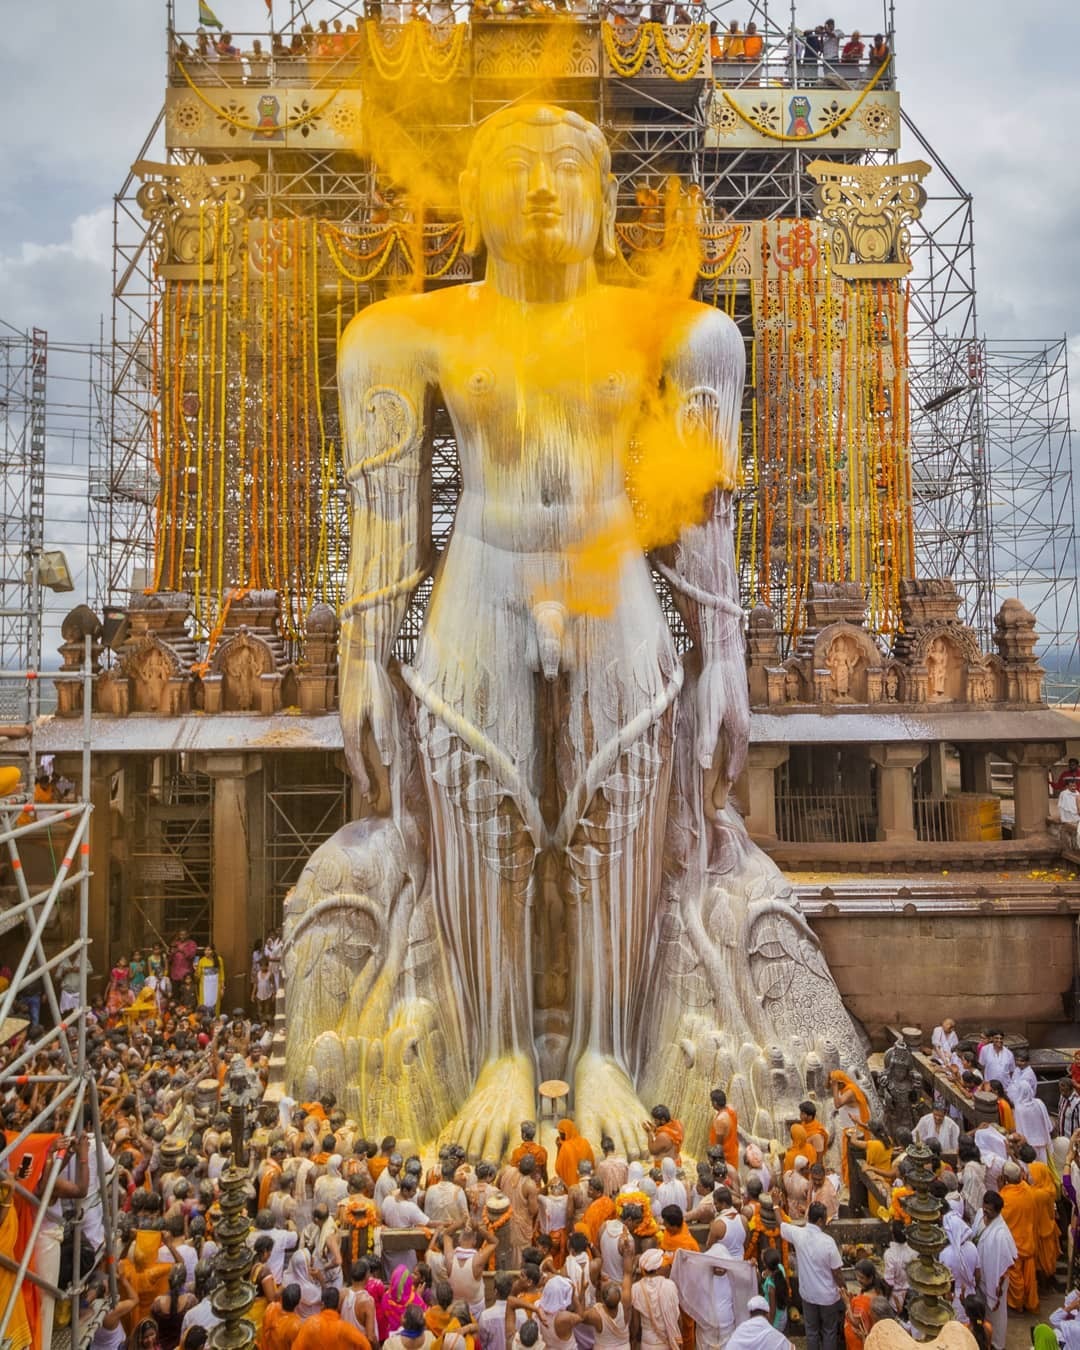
{"x":23,"y":375}
{"x":44,"y":885}
{"x":1032,"y":504}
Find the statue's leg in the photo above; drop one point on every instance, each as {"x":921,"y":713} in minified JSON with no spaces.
{"x":616,"y":777}
{"x":483,"y":877}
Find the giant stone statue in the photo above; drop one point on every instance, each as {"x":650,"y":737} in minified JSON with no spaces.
{"x":547,"y":879}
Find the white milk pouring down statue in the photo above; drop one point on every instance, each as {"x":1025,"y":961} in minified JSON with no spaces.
{"x":547,"y":880}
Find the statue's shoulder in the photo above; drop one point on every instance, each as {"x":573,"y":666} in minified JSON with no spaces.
{"x":415,"y":321}
{"x":681,"y":325}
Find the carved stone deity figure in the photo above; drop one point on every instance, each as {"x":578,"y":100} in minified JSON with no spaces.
{"x":843,"y":661}
{"x":937,"y":669}
{"x":547,"y":880}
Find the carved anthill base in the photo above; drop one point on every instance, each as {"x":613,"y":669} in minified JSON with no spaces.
{"x":367,"y":1016}
{"x":740,"y":998}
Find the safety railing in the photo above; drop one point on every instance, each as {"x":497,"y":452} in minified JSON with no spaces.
{"x":826,"y":818}
{"x":784,"y":61}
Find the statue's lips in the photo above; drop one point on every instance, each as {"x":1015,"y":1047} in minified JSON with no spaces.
{"x":543,"y":215}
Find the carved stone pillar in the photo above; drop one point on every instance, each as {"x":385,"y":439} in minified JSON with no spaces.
{"x":896,"y":806}
{"x":1031,"y":785}
{"x":975,"y":769}
{"x":233,"y":821}
{"x":933,"y":771}
{"x":762,"y":763}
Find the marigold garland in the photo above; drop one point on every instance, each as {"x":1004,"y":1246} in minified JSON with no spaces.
{"x":678,"y":63}
{"x":416,"y":46}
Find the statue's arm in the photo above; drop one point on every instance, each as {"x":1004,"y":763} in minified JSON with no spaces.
{"x":707,"y":370}
{"x":385,"y":392}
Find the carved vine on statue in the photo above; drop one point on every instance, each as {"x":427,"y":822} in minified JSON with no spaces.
{"x":548,"y":880}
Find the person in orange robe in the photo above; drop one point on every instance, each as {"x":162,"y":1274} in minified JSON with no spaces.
{"x":377,"y":1165}
{"x":326,"y":1330}
{"x":851,"y":1109}
{"x":595,"y":1215}
{"x":800,"y":1148}
{"x":271,"y":1172}
{"x":665,"y":1135}
{"x":1021,"y":1215}
{"x":724,"y":1127}
{"x":573,"y":1150}
{"x":676,"y":1237}
{"x":282,"y":1323}
{"x":529,"y":1145}
{"x":1044,"y":1188}
{"x":816,"y":1133}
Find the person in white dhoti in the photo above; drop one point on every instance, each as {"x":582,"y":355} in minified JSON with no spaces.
{"x":997,"y":1252}
{"x":961,"y":1256}
{"x":997,"y":1061}
{"x":1069,"y":814}
{"x":944,"y":1041}
{"x":715,"y":1288}
{"x":756,"y":1333}
{"x":937,"y":1125}
{"x":1032,"y":1117}
{"x":655,"y":1303}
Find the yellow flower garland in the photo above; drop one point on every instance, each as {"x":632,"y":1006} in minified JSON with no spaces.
{"x":241,"y":123}
{"x":438,"y":66}
{"x":834,"y":125}
{"x":679,"y":64}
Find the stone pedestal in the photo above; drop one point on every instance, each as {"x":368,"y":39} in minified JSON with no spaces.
{"x":896,"y":806}
{"x":1031,"y":785}
{"x":762,"y":763}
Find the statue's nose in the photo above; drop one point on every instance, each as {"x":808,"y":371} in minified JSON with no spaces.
{"x":540,"y":189}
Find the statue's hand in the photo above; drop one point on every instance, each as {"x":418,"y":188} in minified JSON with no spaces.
{"x":369,"y":723}
{"x":723,"y":727}
{"x":711,"y":704}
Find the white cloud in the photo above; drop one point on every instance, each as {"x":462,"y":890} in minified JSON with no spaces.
{"x":89,"y":241}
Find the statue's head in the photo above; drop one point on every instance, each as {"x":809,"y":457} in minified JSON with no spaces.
{"x":538,"y":187}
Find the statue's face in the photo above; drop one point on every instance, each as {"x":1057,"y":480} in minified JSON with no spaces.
{"x":539,"y":196}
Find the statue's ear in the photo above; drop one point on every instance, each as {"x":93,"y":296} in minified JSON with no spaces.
{"x":608,"y":246}
{"x":470,"y":215}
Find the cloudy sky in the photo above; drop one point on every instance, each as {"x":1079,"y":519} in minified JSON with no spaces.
{"x":988,"y":85}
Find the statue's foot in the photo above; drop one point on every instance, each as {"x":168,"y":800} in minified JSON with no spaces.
{"x":605,"y":1103}
{"x":503,"y":1096}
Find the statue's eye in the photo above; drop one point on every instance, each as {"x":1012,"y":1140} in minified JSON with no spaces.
{"x":569,"y":166}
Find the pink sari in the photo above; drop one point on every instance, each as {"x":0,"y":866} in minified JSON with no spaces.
{"x":393,"y":1301}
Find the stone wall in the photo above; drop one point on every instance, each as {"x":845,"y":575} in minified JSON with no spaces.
{"x":1009,"y":969}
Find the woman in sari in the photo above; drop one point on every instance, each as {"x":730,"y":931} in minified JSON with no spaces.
{"x":145,"y":1336}
{"x":879,"y":1160}
{"x":18,"y":1328}
{"x":262,"y":1277}
{"x":961,"y":1257}
{"x":395,"y":1298}
{"x":1006,"y":1119}
{"x":851,"y":1109}
{"x":858,"y":1321}
{"x":800,"y":1148}
{"x":299,"y":1272}
{"x":118,"y":995}
{"x":573,"y":1149}
{"x":210,"y":980}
